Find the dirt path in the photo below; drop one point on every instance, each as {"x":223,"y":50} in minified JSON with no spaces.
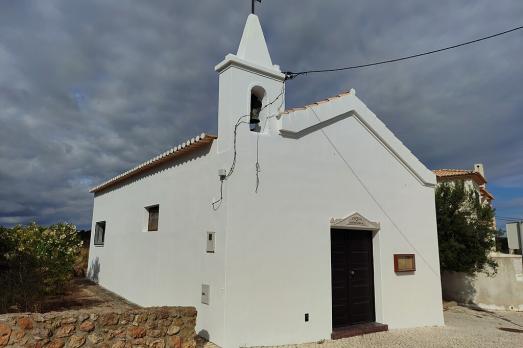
{"x":83,"y":294}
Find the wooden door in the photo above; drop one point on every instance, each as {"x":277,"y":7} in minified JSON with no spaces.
{"x":352,"y":277}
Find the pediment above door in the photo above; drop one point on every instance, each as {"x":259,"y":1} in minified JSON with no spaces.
{"x":355,"y":221}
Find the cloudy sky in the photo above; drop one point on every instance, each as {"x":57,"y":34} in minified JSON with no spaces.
{"x":88,"y":89}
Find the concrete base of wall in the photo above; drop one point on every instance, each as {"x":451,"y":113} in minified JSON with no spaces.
{"x":504,"y":291}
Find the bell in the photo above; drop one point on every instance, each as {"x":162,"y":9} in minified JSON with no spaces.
{"x":255,"y":110}
{"x":255,"y":116}
{"x":254,"y":121}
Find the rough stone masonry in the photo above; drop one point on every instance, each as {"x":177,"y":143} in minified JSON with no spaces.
{"x":159,"y":327}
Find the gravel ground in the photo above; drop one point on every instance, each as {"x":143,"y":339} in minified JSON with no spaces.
{"x":464,"y":327}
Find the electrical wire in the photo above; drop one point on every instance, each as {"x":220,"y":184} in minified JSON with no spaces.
{"x":508,"y":221}
{"x":235,"y":155}
{"x":235,"y":152}
{"x":289,"y":75}
{"x":216,"y":204}
{"x":278,"y":111}
{"x":257,"y":164}
{"x":509,"y":218}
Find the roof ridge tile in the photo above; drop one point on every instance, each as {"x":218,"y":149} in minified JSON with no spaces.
{"x":189,"y":145}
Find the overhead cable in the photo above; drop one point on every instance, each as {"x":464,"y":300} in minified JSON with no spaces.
{"x":289,"y":75}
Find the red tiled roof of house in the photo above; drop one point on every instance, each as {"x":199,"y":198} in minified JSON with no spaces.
{"x":450,"y":174}
{"x":447,"y":174}
{"x":485,"y":192}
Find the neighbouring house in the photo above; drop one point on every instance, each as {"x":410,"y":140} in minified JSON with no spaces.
{"x":474,"y":180}
{"x":503,"y":291}
{"x":289,"y":226}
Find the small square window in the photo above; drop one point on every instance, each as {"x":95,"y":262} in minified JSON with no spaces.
{"x":99,"y":233}
{"x":154,"y":213}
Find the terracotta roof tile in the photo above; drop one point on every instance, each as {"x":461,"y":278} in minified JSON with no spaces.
{"x":452,"y":172}
{"x":457,"y":173}
{"x":486,"y":193}
{"x":185,"y":148}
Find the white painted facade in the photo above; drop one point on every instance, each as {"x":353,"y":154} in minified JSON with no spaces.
{"x":272,"y":262}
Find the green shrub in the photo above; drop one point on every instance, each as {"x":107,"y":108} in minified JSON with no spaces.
{"x":466,"y":232}
{"x":35,"y":261}
{"x":81,"y":263}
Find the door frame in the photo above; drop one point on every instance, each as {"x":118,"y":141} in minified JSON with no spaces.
{"x":356,"y":221}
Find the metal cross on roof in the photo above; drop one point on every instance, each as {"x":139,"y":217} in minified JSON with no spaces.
{"x":253,"y":7}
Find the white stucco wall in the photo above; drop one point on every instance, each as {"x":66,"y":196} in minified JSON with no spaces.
{"x":272,"y":259}
{"x":279,"y":238}
{"x":166,"y":267}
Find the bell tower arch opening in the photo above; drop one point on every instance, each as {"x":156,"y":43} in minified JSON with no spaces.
{"x":255,"y":109}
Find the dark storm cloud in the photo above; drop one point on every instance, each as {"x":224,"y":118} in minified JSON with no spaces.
{"x":89,"y":89}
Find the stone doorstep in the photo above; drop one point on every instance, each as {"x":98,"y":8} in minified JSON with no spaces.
{"x":357,"y":330}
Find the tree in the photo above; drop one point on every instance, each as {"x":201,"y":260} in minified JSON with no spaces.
{"x":466,"y":233}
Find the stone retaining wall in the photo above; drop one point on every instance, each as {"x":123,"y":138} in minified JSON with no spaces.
{"x":161,"y":327}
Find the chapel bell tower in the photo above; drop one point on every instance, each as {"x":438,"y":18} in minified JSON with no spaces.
{"x":248,"y":83}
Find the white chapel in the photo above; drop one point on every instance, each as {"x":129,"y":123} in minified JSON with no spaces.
{"x":288,"y":226}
